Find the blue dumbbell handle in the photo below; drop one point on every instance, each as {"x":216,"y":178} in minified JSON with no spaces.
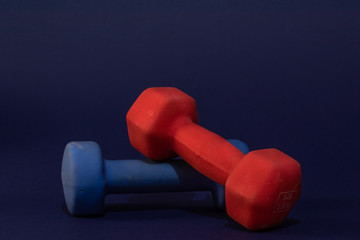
{"x":141,"y":176}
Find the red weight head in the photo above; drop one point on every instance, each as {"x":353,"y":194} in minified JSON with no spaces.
{"x":153,"y":118}
{"x":263,"y":188}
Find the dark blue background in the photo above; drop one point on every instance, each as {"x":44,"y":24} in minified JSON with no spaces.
{"x":277,"y":74}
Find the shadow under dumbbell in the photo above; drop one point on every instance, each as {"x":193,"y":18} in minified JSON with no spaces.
{"x":288,"y":222}
{"x":150,"y":201}
{"x":200,"y":203}
{"x":65,"y":210}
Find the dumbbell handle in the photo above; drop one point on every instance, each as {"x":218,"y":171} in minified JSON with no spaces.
{"x":141,"y":176}
{"x":206,"y":151}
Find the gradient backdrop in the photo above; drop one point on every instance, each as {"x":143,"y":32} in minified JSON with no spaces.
{"x":277,"y":74}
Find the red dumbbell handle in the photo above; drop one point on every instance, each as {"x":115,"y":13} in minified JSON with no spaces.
{"x":206,"y":151}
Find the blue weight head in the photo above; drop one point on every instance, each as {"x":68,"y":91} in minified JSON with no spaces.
{"x":240,"y":145}
{"x":82,"y":175}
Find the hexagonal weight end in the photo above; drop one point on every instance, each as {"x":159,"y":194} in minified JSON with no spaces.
{"x":263,"y":188}
{"x":153,"y":118}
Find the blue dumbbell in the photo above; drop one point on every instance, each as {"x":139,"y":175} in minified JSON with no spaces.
{"x":87,"y":178}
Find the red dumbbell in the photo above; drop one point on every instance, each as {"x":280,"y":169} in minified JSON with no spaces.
{"x":261,"y":187}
